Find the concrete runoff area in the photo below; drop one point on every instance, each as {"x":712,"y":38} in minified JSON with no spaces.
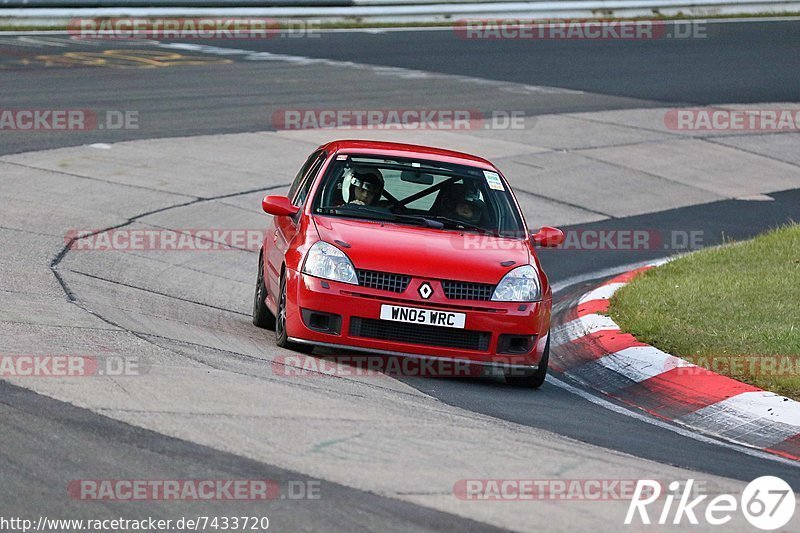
{"x":209,"y":378}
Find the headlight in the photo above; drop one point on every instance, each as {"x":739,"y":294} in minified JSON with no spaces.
{"x":519,"y":285}
{"x":326,"y":261}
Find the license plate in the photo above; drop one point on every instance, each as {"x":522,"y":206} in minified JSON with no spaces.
{"x":429,"y":317}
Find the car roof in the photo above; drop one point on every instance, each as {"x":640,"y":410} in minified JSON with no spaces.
{"x":356,"y":146}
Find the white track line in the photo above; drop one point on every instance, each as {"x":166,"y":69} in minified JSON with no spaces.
{"x":400,"y":72}
{"x":658,"y":423}
{"x":639,"y":363}
{"x":603,"y":292}
{"x":611,"y":271}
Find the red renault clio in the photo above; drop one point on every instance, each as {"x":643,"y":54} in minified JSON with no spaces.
{"x":410,"y":251}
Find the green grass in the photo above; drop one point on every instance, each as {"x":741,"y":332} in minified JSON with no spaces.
{"x":734,"y":309}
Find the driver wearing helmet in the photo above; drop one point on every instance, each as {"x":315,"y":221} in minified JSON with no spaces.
{"x":470,"y":210}
{"x":468,"y":207}
{"x":366,"y":186}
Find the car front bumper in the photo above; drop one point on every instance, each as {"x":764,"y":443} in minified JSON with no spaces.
{"x":358,"y":306}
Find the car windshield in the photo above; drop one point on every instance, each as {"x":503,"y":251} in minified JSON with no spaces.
{"x":418,"y":192}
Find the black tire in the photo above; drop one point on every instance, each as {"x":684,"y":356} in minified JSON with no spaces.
{"x":535,"y":380}
{"x":281,"y":336}
{"x":262,"y":316}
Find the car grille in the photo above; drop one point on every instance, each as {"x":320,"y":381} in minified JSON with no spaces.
{"x":385,"y":330}
{"x":464,"y":290}
{"x":383,"y":280}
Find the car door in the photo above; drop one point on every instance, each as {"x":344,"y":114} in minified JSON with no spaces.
{"x":284,"y":229}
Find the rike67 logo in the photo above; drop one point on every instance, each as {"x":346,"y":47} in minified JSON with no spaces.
{"x":767,"y":503}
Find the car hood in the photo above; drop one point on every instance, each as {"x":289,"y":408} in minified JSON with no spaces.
{"x":423,"y":252}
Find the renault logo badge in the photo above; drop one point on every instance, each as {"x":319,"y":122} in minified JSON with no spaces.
{"x":425,"y":290}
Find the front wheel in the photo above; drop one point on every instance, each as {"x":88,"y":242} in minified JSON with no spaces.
{"x":535,"y":380}
{"x":262,"y":316}
{"x":281,"y":336}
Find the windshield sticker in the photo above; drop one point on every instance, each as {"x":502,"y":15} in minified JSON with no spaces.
{"x":493,"y":179}
{"x":340,"y":157}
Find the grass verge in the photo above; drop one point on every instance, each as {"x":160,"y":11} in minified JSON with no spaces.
{"x":734,"y":309}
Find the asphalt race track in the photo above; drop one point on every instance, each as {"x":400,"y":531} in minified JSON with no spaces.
{"x":735,"y":63}
{"x":386,"y":453}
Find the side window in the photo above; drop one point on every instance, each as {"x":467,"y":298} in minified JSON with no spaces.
{"x":298,"y":179}
{"x":302,"y":193}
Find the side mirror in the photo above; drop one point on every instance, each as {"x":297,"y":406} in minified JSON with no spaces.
{"x":279,"y":206}
{"x":548,"y":237}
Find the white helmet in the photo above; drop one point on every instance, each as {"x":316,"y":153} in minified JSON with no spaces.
{"x":365,"y":178}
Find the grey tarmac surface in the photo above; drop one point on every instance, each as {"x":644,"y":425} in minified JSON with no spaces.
{"x":81,"y":445}
{"x":733,"y":63}
{"x":211,"y":385}
{"x":180,"y":92}
{"x":751,"y":62}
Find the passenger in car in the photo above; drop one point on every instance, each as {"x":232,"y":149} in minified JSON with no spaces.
{"x":461,"y":203}
{"x":470,"y":209}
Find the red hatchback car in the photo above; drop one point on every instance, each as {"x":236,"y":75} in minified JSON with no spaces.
{"x":409,"y":251}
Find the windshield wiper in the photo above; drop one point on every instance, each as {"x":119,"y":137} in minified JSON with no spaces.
{"x":465,"y":225}
{"x":362,"y":210}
